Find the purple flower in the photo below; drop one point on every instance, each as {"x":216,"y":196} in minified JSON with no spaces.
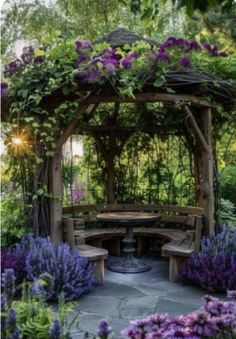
{"x":110,"y":65}
{"x":14,"y":259}
{"x":128,"y":60}
{"x":163,"y":57}
{"x":13,"y":330}
{"x":214,"y":267}
{"x":182,"y":42}
{"x":213,"y":50}
{"x":3,"y":303}
{"x":12,"y":67}
{"x":55,"y":331}
{"x":193,"y":45}
{"x":103,"y":329}
{"x":27,"y":55}
{"x":126,"y":63}
{"x":82,"y":58}
{"x":8,"y":283}
{"x":4,"y":87}
{"x":222,"y":54}
{"x":92,"y":76}
{"x":201,"y":324}
{"x":68,"y":272}
{"x":77,"y":192}
{"x":231,"y":294}
{"x":39,"y":59}
{"x":185,"y":62}
{"x":82,"y":45}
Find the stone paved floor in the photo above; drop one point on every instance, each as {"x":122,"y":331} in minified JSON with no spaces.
{"x":129,"y":296}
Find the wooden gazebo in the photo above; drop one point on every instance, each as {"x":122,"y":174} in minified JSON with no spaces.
{"x":196,"y":116}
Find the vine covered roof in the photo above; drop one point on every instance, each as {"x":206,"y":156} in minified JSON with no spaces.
{"x":118,"y":67}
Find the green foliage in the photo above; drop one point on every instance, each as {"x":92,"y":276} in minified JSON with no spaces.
{"x":228,"y":183}
{"x":227,"y":212}
{"x":34,"y":317}
{"x":13,"y":219}
{"x":149,"y":9}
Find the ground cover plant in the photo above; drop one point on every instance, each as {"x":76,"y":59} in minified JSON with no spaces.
{"x":214,"y":267}
{"x":37,"y":256}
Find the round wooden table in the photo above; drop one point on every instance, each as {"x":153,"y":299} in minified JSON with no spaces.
{"x":127,"y":263}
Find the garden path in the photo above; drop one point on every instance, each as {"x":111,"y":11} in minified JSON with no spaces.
{"x":129,"y":296}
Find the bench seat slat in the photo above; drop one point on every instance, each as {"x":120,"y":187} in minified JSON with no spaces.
{"x":181,"y":248}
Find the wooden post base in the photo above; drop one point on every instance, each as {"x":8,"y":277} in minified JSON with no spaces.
{"x":99,"y":271}
{"x":175,"y":266}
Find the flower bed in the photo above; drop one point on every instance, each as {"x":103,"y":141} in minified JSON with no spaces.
{"x":32,"y":257}
{"x":217,"y":319}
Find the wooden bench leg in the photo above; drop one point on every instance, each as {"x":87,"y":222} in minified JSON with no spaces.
{"x":175,"y":266}
{"x":99,"y":271}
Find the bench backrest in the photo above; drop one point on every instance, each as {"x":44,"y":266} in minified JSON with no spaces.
{"x":190,"y":216}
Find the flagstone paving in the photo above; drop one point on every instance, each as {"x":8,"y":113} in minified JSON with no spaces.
{"x":129,"y":296}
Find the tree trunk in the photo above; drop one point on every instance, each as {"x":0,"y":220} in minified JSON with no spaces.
{"x":56,"y":198}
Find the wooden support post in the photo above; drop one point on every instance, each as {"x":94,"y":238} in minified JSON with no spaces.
{"x":204,"y":139}
{"x":56,"y":199}
{"x":56,"y":178}
{"x":208,"y":174}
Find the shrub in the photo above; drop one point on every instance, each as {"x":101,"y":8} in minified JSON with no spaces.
{"x":227,"y":212}
{"x":71,"y":274}
{"x":13,"y":219}
{"x":214,"y":267}
{"x":217,"y":319}
{"x":14,"y":259}
{"x":228,"y":183}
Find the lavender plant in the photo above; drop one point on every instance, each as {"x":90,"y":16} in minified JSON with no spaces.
{"x":104,"y":329}
{"x":214,"y":267}
{"x":70,"y":273}
{"x":8,"y":284}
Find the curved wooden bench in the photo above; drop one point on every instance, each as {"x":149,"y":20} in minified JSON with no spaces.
{"x":181,"y":244}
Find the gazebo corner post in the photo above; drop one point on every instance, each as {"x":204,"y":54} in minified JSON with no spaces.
{"x":208,"y":173}
{"x":203,"y":134}
{"x":56,"y":195}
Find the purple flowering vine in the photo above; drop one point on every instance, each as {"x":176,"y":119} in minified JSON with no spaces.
{"x":185,"y":61}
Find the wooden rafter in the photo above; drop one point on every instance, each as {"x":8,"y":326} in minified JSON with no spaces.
{"x":152,"y":97}
{"x":84,"y":107}
{"x":197,"y":131}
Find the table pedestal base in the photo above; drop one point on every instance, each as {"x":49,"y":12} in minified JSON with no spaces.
{"x":128,"y":264}
{"x":121,"y":265}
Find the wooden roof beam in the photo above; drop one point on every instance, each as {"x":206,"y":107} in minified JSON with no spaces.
{"x":152,"y":97}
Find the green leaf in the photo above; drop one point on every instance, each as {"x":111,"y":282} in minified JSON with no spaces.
{"x":65,"y":90}
{"x":159,"y":82}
